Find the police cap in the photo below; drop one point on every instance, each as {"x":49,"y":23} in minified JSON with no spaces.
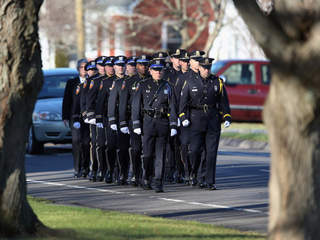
{"x":157,"y":64}
{"x":144,"y":59}
{"x":177,"y":53}
{"x":101,"y":60}
{"x":132,"y":60}
{"x":160,"y":55}
{"x":184,"y":57}
{"x":120,"y":60}
{"x":206,"y":62}
{"x":109,"y":61}
{"x":91,"y":65}
{"x":197,"y":55}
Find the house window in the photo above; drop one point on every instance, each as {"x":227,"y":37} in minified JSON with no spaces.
{"x":170,"y":37}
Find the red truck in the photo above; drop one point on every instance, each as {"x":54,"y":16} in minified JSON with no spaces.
{"x":247,"y":83}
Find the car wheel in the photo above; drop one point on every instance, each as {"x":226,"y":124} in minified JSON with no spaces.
{"x":33,"y":145}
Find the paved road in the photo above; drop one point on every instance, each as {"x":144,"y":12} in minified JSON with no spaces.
{"x":241,"y":201}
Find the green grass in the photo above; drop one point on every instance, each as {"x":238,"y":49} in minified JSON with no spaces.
{"x":84,"y":223}
{"x":246,"y":131}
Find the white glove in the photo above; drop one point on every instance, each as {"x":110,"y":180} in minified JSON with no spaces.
{"x":227,"y":124}
{"x":92,"y":121}
{"x":114,"y":127}
{"x":124,"y":130}
{"x":99,"y":125}
{"x":137,"y":131}
{"x":185,"y":123}
{"x":173,"y":132}
{"x":76,"y":125}
{"x":179,"y":123}
{"x":86,"y":120}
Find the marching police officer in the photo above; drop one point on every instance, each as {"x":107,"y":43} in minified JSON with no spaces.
{"x":70,"y":99}
{"x":202,"y":99}
{"x":106,"y":139}
{"x":154,"y":103}
{"x":113,"y":112}
{"x":128,"y":89}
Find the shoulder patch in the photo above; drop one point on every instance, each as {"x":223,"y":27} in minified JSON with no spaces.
{"x":123,"y":85}
{"x":113,"y":85}
{"x":101,"y":85}
{"x":78,"y":90}
{"x":85,"y":83}
{"x":91,"y":84}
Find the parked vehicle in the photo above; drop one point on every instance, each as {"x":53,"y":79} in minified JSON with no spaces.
{"x":247,"y":83}
{"x":47,"y":124}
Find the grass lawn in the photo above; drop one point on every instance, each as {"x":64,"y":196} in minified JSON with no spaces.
{"x":85,"y":223}
{"x":246,"y":131}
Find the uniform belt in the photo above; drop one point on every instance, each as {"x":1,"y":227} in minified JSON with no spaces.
{"x":204,"y":107}
{"x":154,"y":113}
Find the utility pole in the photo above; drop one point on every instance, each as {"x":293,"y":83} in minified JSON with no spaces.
{"x":80,"y":29}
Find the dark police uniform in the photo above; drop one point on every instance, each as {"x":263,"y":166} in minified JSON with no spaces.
{"x":67,"y":105}
{"x":84,"y":108}
{"x":128,"y":89}
{"x":106,"y":138}
{"x":154,"y":103}
{"x":113,"y":115}
{"x":201,"y":102}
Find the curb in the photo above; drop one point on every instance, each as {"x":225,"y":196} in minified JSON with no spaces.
{"x":243,"y":144}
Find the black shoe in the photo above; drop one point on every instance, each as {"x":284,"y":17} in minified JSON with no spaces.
{"x":85,"y":173}
{"x":179,"y":179}
{"x":202,"y":185}
{"x":77,"y":174}
{"x":212,"y":187}
{"x":100,"y":176}
{"x":147,"y":185}
{"x":134,"y":182}
{"x":158,"y":189}
{"x":194,"y":182}
{"x":93,"y":177}
{"x":108,"y":178}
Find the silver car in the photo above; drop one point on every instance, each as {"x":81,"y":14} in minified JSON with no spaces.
{"x":47,"y":124}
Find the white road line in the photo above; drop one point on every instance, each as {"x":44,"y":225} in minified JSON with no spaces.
{"x":153,"y":197}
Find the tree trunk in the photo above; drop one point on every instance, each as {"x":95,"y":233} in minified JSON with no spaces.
{"x":290,"y":38}
{"x":20,"y":82}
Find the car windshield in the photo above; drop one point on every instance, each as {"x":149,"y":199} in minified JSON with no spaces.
{"x":217,"y":66}
{"x":53,"y":86}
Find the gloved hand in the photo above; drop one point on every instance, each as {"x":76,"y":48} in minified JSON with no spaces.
{"x":173,"y":132}
{"x":86,"y":120}
{"x":124,"y":130}
{"x":99,"y":125}
{"x":227,"y":124}
{"x":185,"y":123}
{"x":76,"y":125}
{"x":137,"y":131}
{"x":114,"y":127}
{"x":179,"y":123}
{"x":92,"y":121}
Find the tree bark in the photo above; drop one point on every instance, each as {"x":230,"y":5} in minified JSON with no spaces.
{"x":20,"y":82}
{"x":290,"y":38}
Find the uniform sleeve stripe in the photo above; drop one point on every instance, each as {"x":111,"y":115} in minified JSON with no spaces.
{"x":181,"y":114}
{"x":226,"y":115}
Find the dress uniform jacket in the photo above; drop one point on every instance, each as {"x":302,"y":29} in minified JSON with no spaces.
{"x":92,"y":96}
{"x":68,"y":97}
{"x":83,"y":95}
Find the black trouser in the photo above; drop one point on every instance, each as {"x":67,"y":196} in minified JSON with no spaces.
{"x":85,"y":145}
{"x":154,"y":143}
{"x":123,"y":155}
{"x":175,"y":164}
{"x":93,"y":155}
{"x":204,"y":136}
{"x":76,"y":148}
{"x":111,"y":149}
{"x":136,"y":151}
{"x":101,"y":151}
{"x":184,"y":150}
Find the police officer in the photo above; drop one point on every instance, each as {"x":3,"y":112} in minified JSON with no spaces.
{"x":113,"y":115}
{"x":128,"y":89}
{"x":154,"y":103}
{"x":71,"y":97}
{"x":106,"y":141}
{"x":202,"y":100}
{"x":91,"y":69}
{"x":183,"y":131}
